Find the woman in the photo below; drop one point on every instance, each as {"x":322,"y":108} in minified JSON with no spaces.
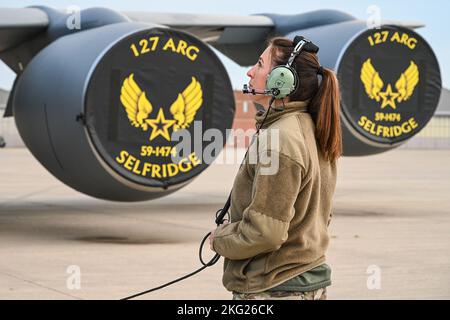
{"x":274,"y":246}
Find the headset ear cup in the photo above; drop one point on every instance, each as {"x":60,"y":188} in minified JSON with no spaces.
{"x":282,"y":80}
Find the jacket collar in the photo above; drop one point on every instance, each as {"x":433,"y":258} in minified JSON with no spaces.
{"x":275,"y":114}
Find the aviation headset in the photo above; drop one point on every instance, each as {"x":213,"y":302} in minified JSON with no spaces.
{"x":283,"y":80}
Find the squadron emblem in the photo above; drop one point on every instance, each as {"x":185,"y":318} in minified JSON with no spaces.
{"x":373,"y":84}
{"x":138,"y":108}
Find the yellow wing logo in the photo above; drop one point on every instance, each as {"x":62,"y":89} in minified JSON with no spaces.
{"x":371,"y":80}
{"x":407,"y":82}
{"x":373,"y":84}
{"x":135,"y":103}
{"x":186,"y":105}
{"x":138,"y":108}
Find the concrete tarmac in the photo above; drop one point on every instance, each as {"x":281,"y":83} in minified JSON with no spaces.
{"x":390,"y":233}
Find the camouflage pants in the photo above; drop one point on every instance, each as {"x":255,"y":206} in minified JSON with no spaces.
{"x":319,"y":294}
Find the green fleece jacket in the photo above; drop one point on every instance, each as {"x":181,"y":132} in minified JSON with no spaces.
{"x":281,"y":205}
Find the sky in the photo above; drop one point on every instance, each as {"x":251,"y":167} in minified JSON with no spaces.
{"x":434,"y":14}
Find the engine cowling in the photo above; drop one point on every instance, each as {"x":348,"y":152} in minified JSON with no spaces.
{"x":98,"y":108}
{"x":389,"y":79}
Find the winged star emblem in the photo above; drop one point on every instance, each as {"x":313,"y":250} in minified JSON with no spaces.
{"x":138,"y":108}
{"x":373,"y":84}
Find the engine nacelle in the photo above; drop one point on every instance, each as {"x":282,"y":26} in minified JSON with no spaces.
{"x":389,"y":78}
{"x":98,"y":108}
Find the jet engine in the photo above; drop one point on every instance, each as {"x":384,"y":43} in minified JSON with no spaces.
{"x":389,"y":80}
{"x":98,"y":108}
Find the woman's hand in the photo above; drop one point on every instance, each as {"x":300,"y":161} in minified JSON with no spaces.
{"x":211,"y":239}
{"x":211,"y":236}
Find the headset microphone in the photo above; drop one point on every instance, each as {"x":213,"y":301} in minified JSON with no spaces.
{"x":253,"y":91}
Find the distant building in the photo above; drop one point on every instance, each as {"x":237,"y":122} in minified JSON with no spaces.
{"x":8,"y":130}
{"x":436,"y":134}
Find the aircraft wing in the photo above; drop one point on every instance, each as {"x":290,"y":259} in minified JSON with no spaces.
{"x":18,"y":25}
{"x":236,"y":36}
